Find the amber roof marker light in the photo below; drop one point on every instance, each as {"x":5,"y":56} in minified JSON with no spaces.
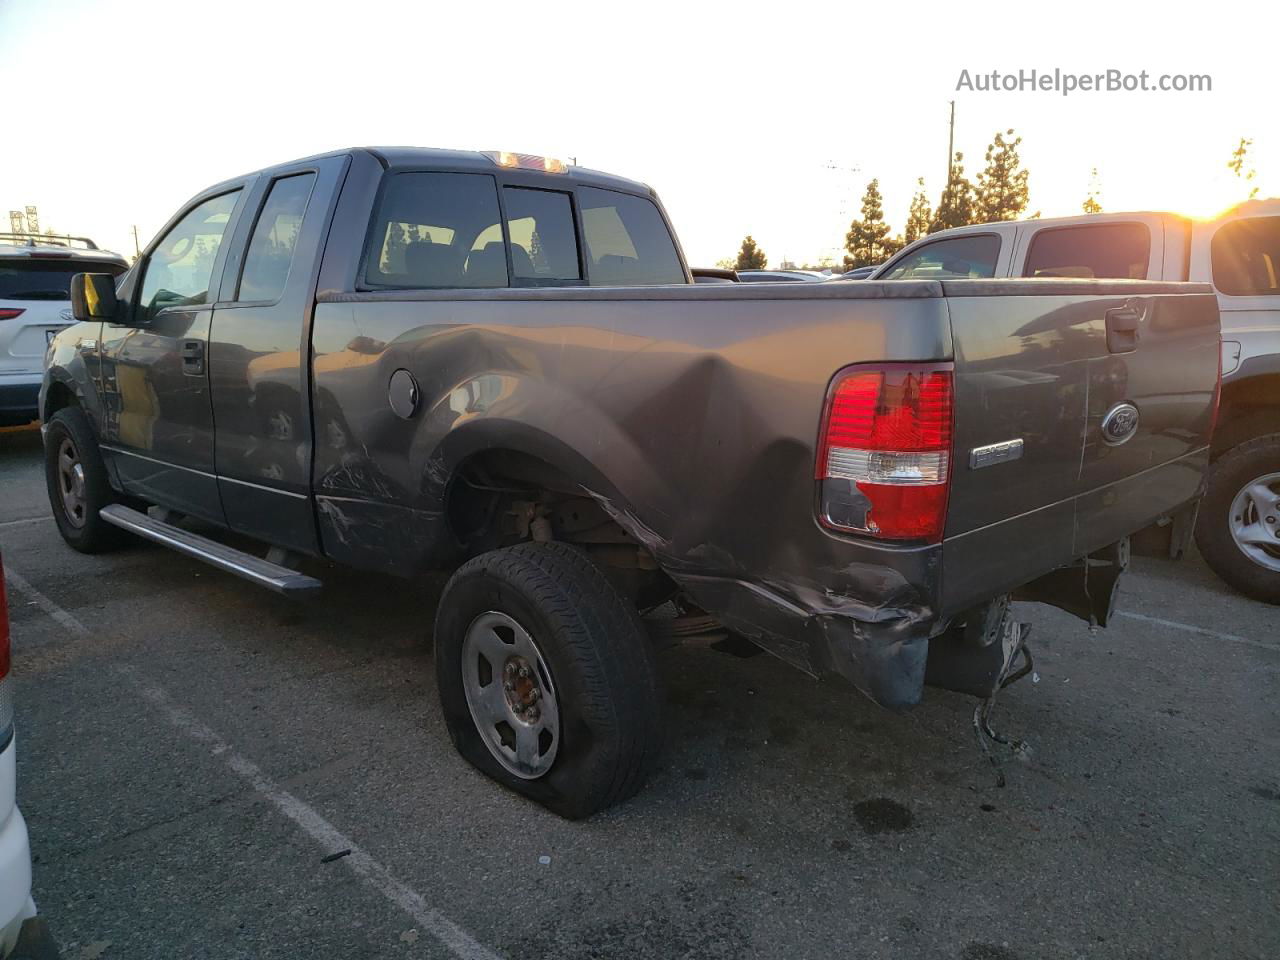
{"x":526,"y":161}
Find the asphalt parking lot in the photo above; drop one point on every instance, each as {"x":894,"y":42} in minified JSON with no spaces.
{"x":193,"y":752}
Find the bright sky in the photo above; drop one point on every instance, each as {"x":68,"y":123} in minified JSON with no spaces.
{"x":766,"y":119}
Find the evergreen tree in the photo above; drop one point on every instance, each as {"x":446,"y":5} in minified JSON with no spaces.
{"x":955,"y":207}
{"x":919,"y":216}
{"x":1239,"y":157}
{"x":1001,"y":193}
{"x":1091,"y":203}
{"x":751,"y":257}
{"x":868,"y":240}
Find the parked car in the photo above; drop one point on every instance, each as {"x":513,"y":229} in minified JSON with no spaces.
{"x":778,"y":276}
{"x":402,"y":359}
{"x":1238,"y":530}
{"x":35,"y":276}
{"x":16,"y":907}
{"x":857,"y":273}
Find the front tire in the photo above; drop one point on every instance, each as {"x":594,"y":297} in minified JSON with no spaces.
{"x":1238,"y":530}
{"x":76,"y":479}
{"x":546,"y":680}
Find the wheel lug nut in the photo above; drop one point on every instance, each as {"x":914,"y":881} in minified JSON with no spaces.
{"x":524,"y":673}
{"x":508,"y":686}
{"x":534,"y":694}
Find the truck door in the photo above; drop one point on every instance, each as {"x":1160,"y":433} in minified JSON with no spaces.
{"x":258,"y":355}
{"x":1136,"y":347}
{"x":158,"y":423}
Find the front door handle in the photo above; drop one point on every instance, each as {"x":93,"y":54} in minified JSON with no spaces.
{"x":1123,"y":324}
{"x":193,"y":357}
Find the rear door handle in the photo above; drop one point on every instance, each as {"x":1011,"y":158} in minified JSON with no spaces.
{"x":192,"y":353}
{"x":1123,"y":324}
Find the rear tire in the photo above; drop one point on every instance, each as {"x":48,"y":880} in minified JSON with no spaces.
{"x":1236,"y":510}
{"x":554,"y":609}
{"x":76,"y":479}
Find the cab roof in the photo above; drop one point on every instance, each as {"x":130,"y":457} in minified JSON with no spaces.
{"x":475,"y":160}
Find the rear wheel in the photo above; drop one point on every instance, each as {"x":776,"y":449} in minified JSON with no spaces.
{"x":546,"y":679}
{"x":1238,"y":530}
{"x":77,"y":483}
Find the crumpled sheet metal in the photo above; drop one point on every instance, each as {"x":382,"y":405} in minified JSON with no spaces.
{"x":879,"y":641}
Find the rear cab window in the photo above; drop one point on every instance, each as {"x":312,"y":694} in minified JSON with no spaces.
{"x":1246,"y":257}
{"x":972,"y":256}
{"x":270,"y":255}
{"x":31,"y":278}
{"x":444,"y":230}
{"x":1106,"y":250}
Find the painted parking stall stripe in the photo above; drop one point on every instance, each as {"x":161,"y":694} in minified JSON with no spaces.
{"x":451,"y":936}
{"x":1189,"y":628}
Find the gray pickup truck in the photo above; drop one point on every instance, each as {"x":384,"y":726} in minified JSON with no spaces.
{"x":408,"y":359}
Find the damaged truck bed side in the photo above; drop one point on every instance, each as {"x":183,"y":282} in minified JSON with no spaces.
{"x":500,"y":365}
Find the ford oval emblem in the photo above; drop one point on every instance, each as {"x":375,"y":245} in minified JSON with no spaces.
{"x":1120,"y":423}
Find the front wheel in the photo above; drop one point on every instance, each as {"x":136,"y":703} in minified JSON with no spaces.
{"x":77,"y":482}
{"x":1238,"y":530}
{"x":546,"y":679}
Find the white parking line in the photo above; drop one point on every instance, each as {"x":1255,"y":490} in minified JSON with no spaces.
{"x":14,"y":523}
{"x":1189,"y":628}
{"x":458,"y":942}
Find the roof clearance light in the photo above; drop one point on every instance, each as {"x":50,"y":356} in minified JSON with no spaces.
{"x":526,"y":161}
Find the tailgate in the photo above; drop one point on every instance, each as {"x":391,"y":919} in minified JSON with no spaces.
{"x":1083,"y":414}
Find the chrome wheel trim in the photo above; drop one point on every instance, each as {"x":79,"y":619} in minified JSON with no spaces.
{"x":511,"y":695}
{"x":1254,"y":519}
{"x":71,"y":483}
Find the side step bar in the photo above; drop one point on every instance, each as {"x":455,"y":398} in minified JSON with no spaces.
{"x":254,"y":569}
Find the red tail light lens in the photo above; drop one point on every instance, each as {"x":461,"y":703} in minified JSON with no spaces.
{"x":8,"y":313}
{"x":884,"y":454}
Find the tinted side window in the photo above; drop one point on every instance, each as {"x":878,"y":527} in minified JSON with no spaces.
{"x":544,"y":243}
{"x":626,"y":240}
{"x":179,"y":268}
{"x":22,"y":279}
{"x":1111,"y":250}
{"x":437,"y":230}
{"x":270,"y":254}
{"x":1246,"y":257}
{"x":955,"y":257}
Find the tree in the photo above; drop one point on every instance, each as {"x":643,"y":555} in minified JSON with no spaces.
{"x":955,"y":207}
{"x":750,"y":257}
{"x":728,"y":263}
{"x":1001,"y":193}
{"x":1239,"y":157}
{"x":868,"y":240}
{"x":1091,"y":203}
{"x":919,"y":216}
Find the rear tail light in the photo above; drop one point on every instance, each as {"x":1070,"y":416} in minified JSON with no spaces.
{"x":884,"y":453}
{"x":6,"y":692}
{"x":8,"y":313}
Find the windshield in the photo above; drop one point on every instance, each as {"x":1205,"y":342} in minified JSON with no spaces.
{"x":47,"y":279}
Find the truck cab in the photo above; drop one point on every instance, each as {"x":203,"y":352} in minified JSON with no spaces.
{"x":1238,"y":530}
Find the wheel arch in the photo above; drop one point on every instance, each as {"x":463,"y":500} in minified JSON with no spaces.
{"x":1250,"y":408}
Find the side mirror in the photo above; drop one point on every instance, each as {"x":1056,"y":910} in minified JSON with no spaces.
{"x":93,"y":296}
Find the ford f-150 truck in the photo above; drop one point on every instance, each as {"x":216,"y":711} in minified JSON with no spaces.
{"x":406,"y":359}
{"x":1238,"y":530}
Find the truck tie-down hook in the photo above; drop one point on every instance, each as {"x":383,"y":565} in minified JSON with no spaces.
{"x":1013,"y":637}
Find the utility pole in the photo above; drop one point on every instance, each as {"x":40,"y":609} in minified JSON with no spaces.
{"x":951,"y":142}
{"x":137,"y":251}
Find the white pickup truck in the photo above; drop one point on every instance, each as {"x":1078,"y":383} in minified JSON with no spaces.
{"x":1238,"y":529}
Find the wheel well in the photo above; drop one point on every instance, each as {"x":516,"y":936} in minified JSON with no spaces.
{"x":59,"y":395}
{"x":500,"y":497}
{"x":1250,"y":408}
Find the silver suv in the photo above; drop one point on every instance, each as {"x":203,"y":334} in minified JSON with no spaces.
{"x":35,"y":280}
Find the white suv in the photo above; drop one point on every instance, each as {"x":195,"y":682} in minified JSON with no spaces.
{"x":15,"y":851}
{"x":35,"y":280}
